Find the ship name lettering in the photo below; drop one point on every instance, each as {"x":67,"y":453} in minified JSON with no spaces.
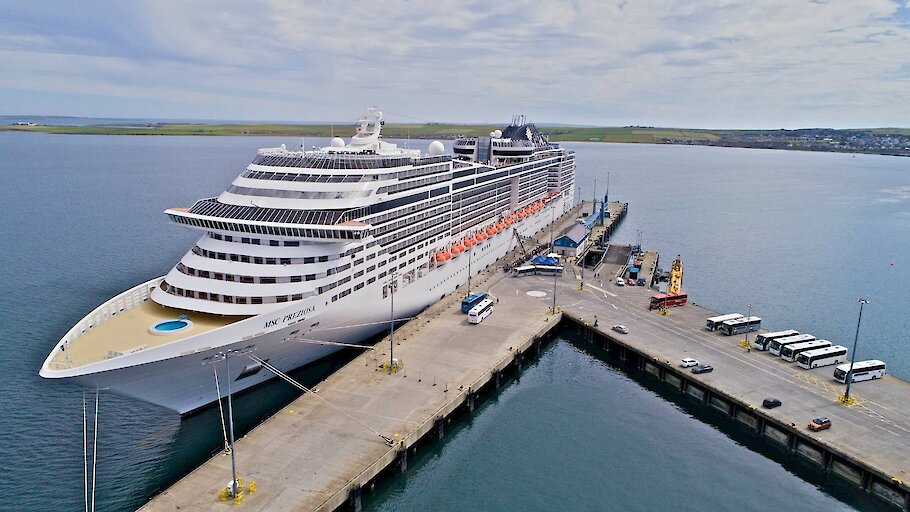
{"x":290,"y":316}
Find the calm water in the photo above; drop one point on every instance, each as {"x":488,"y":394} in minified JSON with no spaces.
{"x":798,"y":235}
{"x":578,"y":434}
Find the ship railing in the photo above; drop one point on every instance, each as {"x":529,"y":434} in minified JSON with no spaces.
{"x":119,"y":304}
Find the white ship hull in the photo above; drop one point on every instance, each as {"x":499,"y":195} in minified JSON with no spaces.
{"x":179,"y":375}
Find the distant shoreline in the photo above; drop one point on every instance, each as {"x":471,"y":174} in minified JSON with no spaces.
{"x":879,"y":141}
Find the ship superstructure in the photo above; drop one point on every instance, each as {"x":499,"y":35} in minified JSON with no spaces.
{"x":310,"y":244}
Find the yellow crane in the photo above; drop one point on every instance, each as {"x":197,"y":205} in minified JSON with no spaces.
{"x":676,"y":275}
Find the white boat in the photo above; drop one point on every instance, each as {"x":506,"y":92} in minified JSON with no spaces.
{"x":306,"y":247}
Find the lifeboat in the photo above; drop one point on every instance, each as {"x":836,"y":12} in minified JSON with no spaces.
{"x":508,"y":221}
{"x":491,"y":231}
{"x":443,"y":256}
{"x":481,"y":236}
{"x":457,"y":249}
{"x":470,"y":242}
{"x":522,"y":214}
{"x":501,"y":226}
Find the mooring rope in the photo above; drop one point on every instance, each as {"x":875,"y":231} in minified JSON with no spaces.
{"x":305,"y":389}
{"x":361,"y":325}
{"x":95,"y":449}
{"x":85,"y":450}
{"x":227,"y":446}
{"x":336,"y":343}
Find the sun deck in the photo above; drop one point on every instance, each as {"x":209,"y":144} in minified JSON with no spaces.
{"x":128,"y":332}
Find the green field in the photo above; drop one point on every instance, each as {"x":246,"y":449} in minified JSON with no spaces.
{"x":422,"y":131}
{"x":885,"y":141}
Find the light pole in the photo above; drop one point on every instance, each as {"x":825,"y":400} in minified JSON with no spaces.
{"x":862,"y":302}
{"x":554,"y":293}
{"x":227,"y":371}
{"x":749,"y":329}
{"x":552,"y":222}
{"x":392,"y":284}
{"x":470,"y":254}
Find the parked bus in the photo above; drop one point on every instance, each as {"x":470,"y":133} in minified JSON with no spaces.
{"x":714,"y":322}
{"x":762,"y":341}
{"x":740,"y":325}
{"x":789,"y":352}
{"x":548,"y":270}
{"x":862,"y":370}
{"x":472,"y":300}
{"x":777,"y":343}
{"x":822,"y":357}
{"x":480,"y":311}
{"x":537,"y":270}
{"x":667,"y":300}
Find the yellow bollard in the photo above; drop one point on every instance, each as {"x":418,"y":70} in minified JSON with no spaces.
{"x":252,"y":486}
{"x":238,"y":498}
{"x":224,"y":494}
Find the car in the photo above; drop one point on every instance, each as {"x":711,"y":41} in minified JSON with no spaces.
{"x":688,"y":362}
{"x":620,"y":282}
{"x":821,"y":423}
{"x":770,"y":403}
{"x":621,"y":329}
{"x":641,"y":281}
{"x":702,"y":368}
{"x":630,"y":282}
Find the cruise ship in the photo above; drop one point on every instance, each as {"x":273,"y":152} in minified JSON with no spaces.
{"x":305,"y":249}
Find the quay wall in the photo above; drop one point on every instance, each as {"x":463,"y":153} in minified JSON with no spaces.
{"x":825,"y":457}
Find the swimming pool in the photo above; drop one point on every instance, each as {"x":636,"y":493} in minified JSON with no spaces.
{"x":171,"y":326}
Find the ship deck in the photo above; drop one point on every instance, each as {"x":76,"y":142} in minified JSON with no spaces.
{"x":129,"y":332}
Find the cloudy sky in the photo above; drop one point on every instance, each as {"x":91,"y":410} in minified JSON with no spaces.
{"x":698,"y":63}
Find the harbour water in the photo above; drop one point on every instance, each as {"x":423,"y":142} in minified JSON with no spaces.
{"x":577,"y":433}
{"x":800,"y":236}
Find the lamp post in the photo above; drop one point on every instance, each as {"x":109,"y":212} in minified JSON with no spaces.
{"x":554,"y":293}
{"x":392,"y":284}
{"x":552,"y":222}
{"x":227,"y":370}
{"x":749,"y":329}
{"x":862,"y":302}
{"x":470,"y":255}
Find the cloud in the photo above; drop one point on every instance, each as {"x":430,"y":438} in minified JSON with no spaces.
{"x":702,"y":63}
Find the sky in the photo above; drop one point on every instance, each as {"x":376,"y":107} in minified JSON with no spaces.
{"x":694,"y":63}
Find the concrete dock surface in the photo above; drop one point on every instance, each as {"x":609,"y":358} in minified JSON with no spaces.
{"x":316,"y":453}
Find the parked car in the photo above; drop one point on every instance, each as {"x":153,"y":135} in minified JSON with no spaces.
{"x":702,"y":368}
{"x":770,"y":403}
{"x":620,"y":282}
{"x":821,"y":423}
{"x":641,"y":281}
{"x":688,"y":362}
{"x":630,"y":282}
{"x":621,"y":329}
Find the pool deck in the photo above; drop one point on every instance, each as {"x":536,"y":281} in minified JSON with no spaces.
{"x":129,"y":330}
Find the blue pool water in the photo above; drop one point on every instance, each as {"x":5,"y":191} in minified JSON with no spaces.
{"x":171,"y":325}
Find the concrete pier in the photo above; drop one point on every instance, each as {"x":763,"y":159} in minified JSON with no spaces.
{"x":320,"y":452}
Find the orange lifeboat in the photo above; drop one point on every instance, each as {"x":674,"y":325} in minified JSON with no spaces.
{"x":457,"y":249}
{"x":470,"y":242}
{"x":443,"y":256}
{"x":491,"y":231}
{"x":481,"y":236}
{"x":522,"y":214}
{"x":501,"y":226}
{"x":509,"y":221}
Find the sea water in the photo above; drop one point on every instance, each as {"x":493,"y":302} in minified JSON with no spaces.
{"x":800,"y":236}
